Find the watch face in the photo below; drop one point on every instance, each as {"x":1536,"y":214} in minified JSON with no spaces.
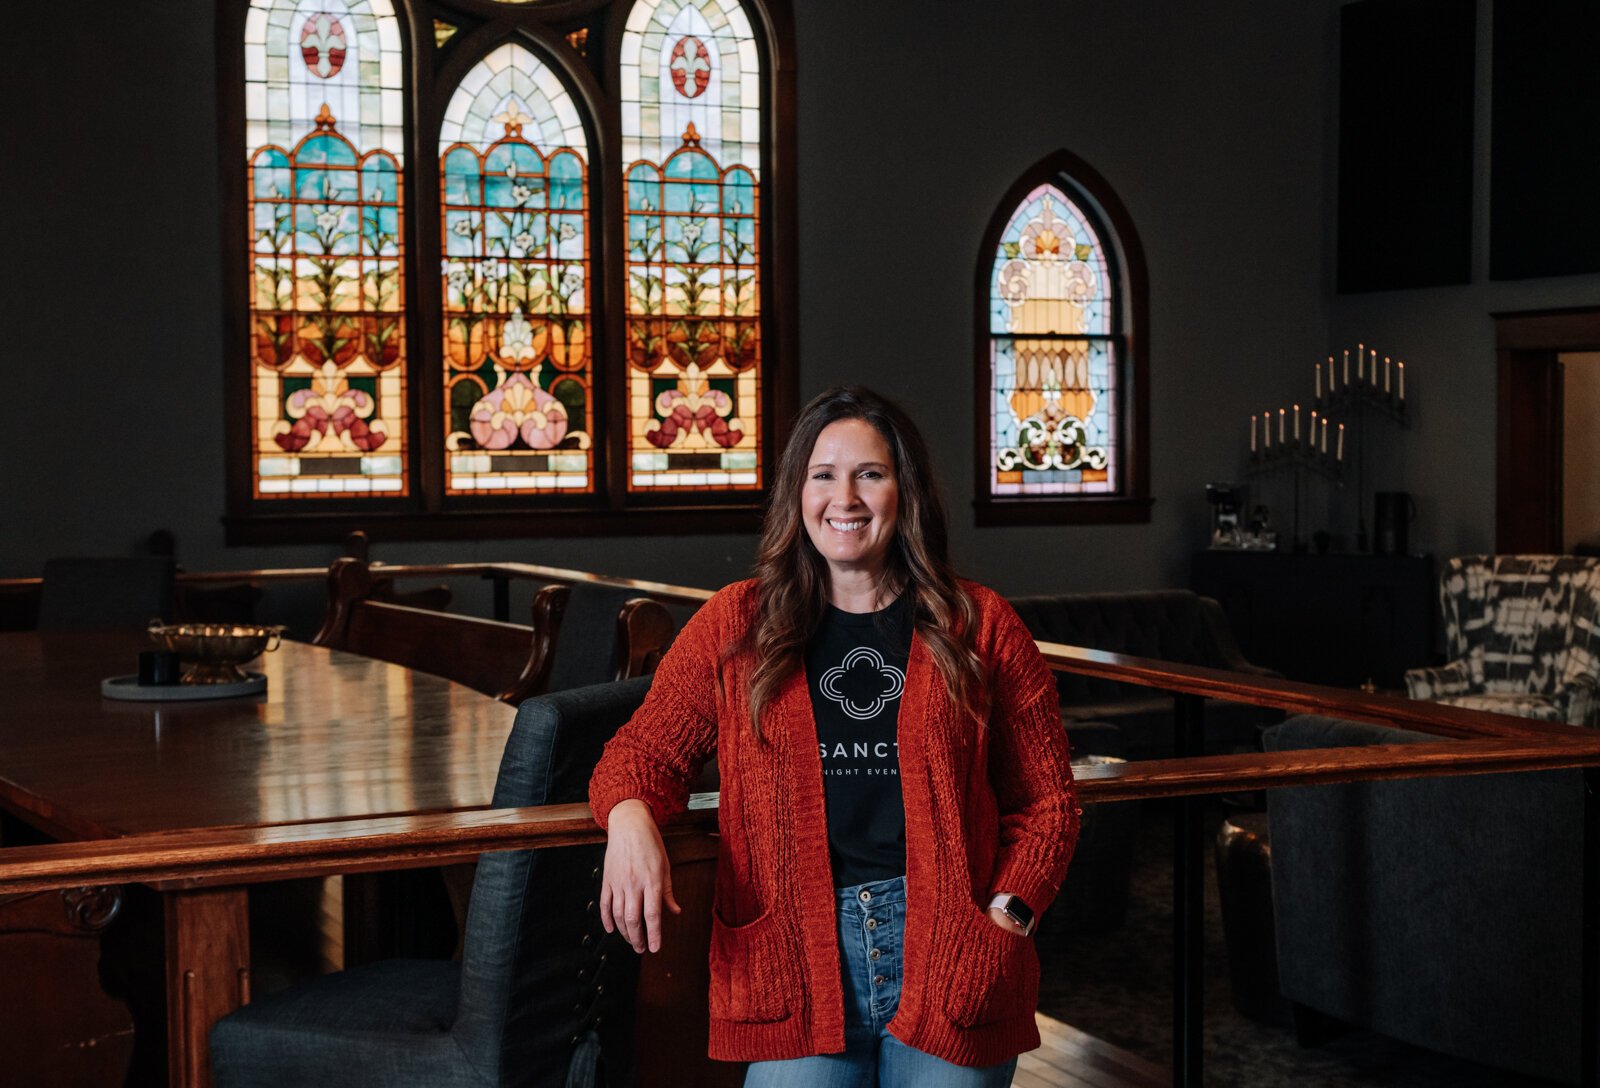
{"x":1019,"y":910}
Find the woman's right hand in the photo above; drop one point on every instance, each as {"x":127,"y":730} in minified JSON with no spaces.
{"x":638,"y":877}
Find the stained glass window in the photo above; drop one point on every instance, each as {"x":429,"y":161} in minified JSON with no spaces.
{"x":323,"y":139}
{"x":691,"y":145}
{"x":1053,"y":365}
{"x":519,"y":389}
{"x":602,"y":350}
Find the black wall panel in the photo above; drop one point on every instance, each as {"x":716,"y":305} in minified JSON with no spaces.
{"x":1405,"y":143}
{"x":1544,"y":202}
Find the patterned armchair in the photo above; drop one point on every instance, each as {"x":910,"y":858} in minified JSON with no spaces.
{"x":1523,"y":637}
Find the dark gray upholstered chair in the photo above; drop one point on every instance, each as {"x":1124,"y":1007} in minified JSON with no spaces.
{"x":1444,"y":912}
{"x":578,"y":641}
{"x":542,"y":997}
{"x":589,"y":647}
{"x":1167,"y":625}
{"x":106,"y":592}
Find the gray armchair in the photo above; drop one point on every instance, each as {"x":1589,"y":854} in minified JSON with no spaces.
{"x":542,"y":997}
{"x":1445,"y":912}
{"x":1167,"y":625}
{"x":1522,"y":634}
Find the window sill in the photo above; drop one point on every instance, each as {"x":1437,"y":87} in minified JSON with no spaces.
{"x":334,"y":526}
{"x":1115,"y":510}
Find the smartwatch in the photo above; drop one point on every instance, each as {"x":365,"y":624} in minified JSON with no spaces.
{"x":1015,"y":909}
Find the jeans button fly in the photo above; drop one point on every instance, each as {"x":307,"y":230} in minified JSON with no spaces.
{"x":875,"y":953}
{"x":877,"y":980}
{"x":872,"y":923}
{"x":866,"y":896}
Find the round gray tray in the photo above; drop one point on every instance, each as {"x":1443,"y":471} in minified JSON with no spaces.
{"x":128,"y":688}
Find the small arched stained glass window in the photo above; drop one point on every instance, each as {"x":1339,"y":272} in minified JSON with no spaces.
{"x":1062,"y":374}
{"x":323,"y":128}
{"x":519,"y":384}
{"x":691,"y":147}
{"x":1053,"y":354}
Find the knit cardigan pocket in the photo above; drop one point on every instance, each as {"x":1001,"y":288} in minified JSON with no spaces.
{"x":748,"y":974}
{"x":996,"y":974}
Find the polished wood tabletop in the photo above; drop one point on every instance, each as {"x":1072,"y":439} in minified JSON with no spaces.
{"x":334,"y":736}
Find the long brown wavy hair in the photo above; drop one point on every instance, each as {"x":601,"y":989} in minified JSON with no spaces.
{"x":793,"y":576}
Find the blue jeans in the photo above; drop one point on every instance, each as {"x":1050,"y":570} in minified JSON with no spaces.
{"x":872,"y":922}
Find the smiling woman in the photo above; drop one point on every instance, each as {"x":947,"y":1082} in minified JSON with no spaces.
{"x":851,"y":505}
{"x":877,"y":721}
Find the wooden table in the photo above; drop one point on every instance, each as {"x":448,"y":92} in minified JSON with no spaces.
{"x":335,"y":736}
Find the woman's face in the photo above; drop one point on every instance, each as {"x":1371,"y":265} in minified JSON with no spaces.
{"x":851,"y":499}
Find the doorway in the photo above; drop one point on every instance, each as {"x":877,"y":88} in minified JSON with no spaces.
{"x":1538,"y":351}
{"x":1580,"y":452}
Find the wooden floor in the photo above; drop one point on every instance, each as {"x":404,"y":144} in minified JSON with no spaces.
{"x":1068,"y":1058}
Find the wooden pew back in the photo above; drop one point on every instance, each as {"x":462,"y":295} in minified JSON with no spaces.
{"x":507,"y":660}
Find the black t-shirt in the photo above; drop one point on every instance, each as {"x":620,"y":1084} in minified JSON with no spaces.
{"x":856,"y":669}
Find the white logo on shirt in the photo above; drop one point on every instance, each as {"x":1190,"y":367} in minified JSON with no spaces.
{"x":857,"y":703}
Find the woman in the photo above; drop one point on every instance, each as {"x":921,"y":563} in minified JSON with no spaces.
{"x":892,"y":763}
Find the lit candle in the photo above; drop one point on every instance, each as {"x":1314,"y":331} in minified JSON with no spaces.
{"x":1402,"y":381}
{"x":1266,"y":430}
{"x":1347,"y":366}
{"x":1297,"y":423}
{"x":1340,"y":454}
{"x":1281,"y":414}
{"x":1313,"y":435}
{"x":1374,"y":368}
{"x":1324,"y":436}
{"x":1385,"y":373}
{"x":1361,"y":362}
{"x":1319,"y":381}
{"x":1252,"y":434}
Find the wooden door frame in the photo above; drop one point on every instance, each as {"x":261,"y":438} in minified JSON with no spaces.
{"x":1528,"y":432}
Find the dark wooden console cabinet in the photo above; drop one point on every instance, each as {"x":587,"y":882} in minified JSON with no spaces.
{"x":1326,"y":619}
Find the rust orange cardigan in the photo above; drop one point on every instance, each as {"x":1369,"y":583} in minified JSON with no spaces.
{"x":987,"y":811}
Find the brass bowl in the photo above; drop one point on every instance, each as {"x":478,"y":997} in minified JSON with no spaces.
{"x":213,"y":652}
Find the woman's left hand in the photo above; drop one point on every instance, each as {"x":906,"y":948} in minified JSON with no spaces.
{"x":1006,"y":922}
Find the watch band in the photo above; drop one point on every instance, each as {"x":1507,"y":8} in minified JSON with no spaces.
{"x":1014,"y":908}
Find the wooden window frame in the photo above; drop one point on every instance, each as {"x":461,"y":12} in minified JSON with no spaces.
{"x":1130,"y":323}
{"x":432,"y":73}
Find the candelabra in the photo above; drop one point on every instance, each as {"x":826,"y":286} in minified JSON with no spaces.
{"x":1382,"y":396}
{"x":1356,"y":392}
{"x":1296,"y":455}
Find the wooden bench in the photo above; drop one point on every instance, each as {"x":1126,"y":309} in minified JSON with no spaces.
{"x":507,"y":660}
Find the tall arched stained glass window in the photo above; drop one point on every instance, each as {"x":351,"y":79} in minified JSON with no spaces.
{"x":691,"y":147}
{"x":1062,"y":373}
{"x":605,"y":336}
{"x":519,"y":389}
{"x":323,"y":136}
{"x":1054,"y":388}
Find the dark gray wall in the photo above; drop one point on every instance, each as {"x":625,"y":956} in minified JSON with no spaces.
{"x":1447,"y":335}
{"x":1214,"y":122}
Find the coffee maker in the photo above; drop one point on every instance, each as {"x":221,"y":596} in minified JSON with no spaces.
{"x":1226,"y":501}
{"x":1391,"y":517}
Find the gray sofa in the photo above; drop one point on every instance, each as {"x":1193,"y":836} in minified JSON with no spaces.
{"x":1443,"y":912}
{"x":1168,"y":625}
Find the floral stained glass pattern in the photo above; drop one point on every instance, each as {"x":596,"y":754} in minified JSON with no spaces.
{"x":1052,"y":354}
{"x":519,"y":388}
{"x":691,"y":141}
{"x":323,"y":121}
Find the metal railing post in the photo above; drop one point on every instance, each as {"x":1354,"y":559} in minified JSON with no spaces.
{"x":1589,"y":1074}
{"x":502,"y":597}
{"x":1188,"y":905}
